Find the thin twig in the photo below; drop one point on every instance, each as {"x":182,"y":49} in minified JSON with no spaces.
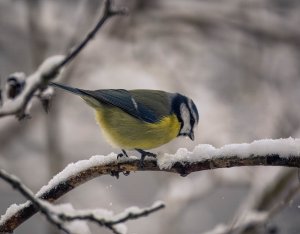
{"x":26,"y":192}
{"x":58,"y":218}
{"x":120,"y":218}
{"x":49,"y":70}
{"x":112,"y":221}
{"x":255,"y":219}
{"x":261,"y":217}
{"x":108,"y":12}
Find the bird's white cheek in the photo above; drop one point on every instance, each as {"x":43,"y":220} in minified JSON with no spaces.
{"x":186,"y":128}
{"x":185,"y":115}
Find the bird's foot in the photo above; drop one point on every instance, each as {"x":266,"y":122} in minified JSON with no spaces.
{"x":143,"y":155}
{"x":120,"y":155}
{"x":115,"y":174}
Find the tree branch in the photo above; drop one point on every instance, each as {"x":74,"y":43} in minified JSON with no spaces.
{"x":282,"y":152}
{"x":254,"y":218}
{"x":50,"y":69}
{"x":37,"y":203}
{"x":108,"y":13}
{"x":113,"y":220}
{"x":59,"y":218}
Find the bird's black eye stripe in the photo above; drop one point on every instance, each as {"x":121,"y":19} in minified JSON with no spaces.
{"x":177,"y":101}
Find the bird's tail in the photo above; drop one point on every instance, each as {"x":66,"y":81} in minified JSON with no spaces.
{"x":67,"y":88}
{"x":84,"y":94}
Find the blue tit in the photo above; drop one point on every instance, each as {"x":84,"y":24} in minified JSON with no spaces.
{"x":140,"y":119}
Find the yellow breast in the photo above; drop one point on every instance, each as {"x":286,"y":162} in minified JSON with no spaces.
{"x":127,"y":132}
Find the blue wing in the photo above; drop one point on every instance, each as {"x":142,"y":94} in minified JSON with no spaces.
{"x":123,"y":99}
{"x":147,"y":105}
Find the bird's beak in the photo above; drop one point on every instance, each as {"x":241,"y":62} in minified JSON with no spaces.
{"x":192,"y":136}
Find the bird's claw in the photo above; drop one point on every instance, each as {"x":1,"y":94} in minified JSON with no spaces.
{"x":143,"y":155}
{"x":120,"y":155}
{"x":115,"y":174}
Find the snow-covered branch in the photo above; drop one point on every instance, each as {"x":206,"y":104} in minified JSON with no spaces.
{"x":36,"y":202}
{"x":107,"y":219}
{"x":17,"y":103}
{"x":60,"y":217}
{"x":281,"y":152}
{"x":36,"y":83}
{"x":255,"y":219}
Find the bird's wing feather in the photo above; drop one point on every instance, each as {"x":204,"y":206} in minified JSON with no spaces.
{"x":147,"y":105}
{"x":126,"y":101}
{"x":159,"y":102}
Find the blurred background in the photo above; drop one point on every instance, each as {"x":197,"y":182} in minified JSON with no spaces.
{"x":238,"y":60}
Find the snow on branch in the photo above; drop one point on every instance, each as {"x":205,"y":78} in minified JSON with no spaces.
{"x":36,"y":202}
{"x":253,"y":218}
{"x":107,"y":219}
{"x":280,"y":152}
{"x":62,"y":215}
{"x":35,"y":85}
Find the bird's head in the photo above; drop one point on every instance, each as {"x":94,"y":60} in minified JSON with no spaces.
{"x":187,"y":114}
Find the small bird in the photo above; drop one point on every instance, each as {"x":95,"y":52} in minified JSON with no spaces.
{"x":140,"y":119}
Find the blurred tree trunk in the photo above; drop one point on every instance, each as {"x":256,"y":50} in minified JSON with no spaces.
{"x":37,"y":40}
